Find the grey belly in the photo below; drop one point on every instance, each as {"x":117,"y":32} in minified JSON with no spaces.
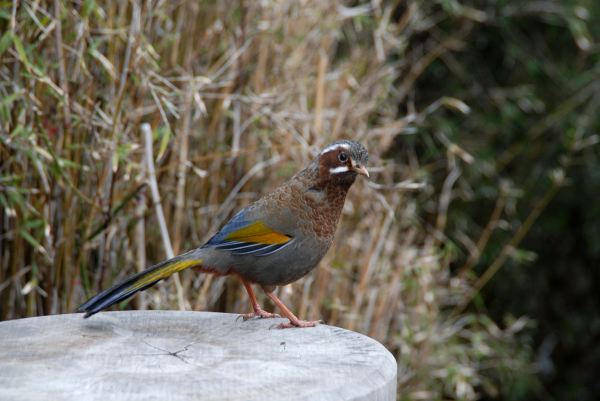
{"x":283,"y":267}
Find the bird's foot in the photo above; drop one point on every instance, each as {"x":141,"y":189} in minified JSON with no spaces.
{"x":260,"y":313}
{"x":299,"y":323}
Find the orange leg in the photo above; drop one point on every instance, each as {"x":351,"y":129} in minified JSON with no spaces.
{"x":294,"y":321}
{"x":258,"y":311}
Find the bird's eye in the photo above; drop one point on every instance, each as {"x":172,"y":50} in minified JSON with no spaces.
{"x":343,"y":157}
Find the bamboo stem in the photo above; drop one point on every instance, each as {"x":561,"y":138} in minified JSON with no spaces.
{"x":164,"y":232}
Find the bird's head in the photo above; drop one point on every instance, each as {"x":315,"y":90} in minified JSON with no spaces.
{"x":342,"y":161}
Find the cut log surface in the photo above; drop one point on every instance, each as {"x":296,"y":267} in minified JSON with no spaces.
{"x":154,"y":355}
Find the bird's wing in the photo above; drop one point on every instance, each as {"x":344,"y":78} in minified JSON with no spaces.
{"x":247,"y":236}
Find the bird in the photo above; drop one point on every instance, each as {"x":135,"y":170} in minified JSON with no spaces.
{"x":272,"y":242}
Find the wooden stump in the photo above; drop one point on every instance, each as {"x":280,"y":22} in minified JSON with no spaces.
{"x":154,"y":355}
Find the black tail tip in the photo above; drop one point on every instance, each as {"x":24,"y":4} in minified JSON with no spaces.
{"x":87,"y":312}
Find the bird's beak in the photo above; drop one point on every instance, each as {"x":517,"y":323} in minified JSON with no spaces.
{"x":362,"y":170}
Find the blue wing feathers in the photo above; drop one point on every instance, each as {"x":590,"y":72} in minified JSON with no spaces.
{"x":241,"y":248}
{"x":237,"y":222}
{"x":273,"y":248}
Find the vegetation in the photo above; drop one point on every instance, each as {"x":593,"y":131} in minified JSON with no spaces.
{"x":470,"y":254}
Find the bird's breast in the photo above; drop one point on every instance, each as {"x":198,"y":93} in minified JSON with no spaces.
{"x":320,"y":212}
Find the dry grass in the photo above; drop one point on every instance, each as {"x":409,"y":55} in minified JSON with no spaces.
{"x":239,"y":96}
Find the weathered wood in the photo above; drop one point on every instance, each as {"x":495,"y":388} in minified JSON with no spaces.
{"x":154,"y":355}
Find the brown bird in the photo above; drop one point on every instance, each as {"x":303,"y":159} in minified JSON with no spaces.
{"x":272,"y":242}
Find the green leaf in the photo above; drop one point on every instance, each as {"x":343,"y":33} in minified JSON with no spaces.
{"x":21,"y":50}
{"x":32,"y":241}
{"x":165,"y":136}
{"x":89,"y":6}
{"x":6,"y":101}
{"x":4,"y":202}
{"x":16,"y":199}
{"x":22,"y":53}
{"x":5,"y":42}
{"x":35,"y":223}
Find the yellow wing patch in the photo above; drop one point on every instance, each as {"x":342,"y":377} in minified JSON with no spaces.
{"x":258,"y":233}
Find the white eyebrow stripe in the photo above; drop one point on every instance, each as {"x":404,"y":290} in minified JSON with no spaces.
{"x":340,"y":169}
{"x":337,"y":145}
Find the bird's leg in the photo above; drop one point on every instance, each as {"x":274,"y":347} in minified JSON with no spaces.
{"x":258,"y":311}
{"x":294,"y":321}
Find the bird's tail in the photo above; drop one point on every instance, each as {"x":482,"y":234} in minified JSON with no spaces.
{"x":137,"y":282}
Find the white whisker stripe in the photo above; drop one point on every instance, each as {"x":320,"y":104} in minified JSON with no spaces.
{"x":337,"y":145}
{"x":341,"y":169}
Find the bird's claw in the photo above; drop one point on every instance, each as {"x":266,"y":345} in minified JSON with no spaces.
{"x":299,"y":324}
{"x":261,"y":314}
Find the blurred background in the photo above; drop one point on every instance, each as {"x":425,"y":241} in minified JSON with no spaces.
{"x":472,"y":253}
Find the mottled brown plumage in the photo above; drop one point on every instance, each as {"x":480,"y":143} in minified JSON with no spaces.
{"x":271,"y":242}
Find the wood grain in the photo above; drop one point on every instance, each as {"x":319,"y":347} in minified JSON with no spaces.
{"x":166,"y":355}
